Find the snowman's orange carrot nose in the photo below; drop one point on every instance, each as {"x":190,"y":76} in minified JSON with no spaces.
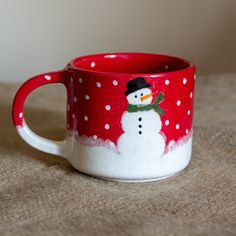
{"x":146,"y":97}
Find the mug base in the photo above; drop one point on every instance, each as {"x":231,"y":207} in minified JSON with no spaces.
{"x":138,"y":180}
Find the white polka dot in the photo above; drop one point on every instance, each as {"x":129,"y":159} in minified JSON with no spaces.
{"x":99,"y":85}
{"x":189,"y":112}
{"x":20,"y":114}
{"x":77,"y":133}
{"x":47,"y":77}
{"x":166,"y":67}
{"x":75,"y":99}
{"x":178,"y":103}
{"x":85,"y":118}
{"x":177,"y":126}
{"x":195,"y":76}
{"x":167,"y":122}
{"x":191,"y":95}
{"x":68,"y":107}
{"x":186,"y":131}
{"x":184,"y":81}
{"x":108,"y":107}
{"x":167,"y":82}
{"x":95,"y":137}
{"x":93,"y":64}
{"x":73,"y":116}
{"x":87,"y":97}
{"x":107,"y":126}
{"x":80,"y":80}
{"x":71,"y":80}
{"x":115,"y":82}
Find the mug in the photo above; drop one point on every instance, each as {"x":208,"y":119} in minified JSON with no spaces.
{"x":129,"y":115}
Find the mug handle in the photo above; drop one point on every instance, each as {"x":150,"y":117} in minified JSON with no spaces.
{"x":40,"y":143}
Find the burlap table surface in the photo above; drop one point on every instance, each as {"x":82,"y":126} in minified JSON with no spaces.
{"x":41,"y":194}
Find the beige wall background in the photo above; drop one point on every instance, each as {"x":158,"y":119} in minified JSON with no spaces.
{"x":40,"y":36}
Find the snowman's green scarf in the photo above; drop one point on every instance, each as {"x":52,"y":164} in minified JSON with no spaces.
{"x":157,"y":109}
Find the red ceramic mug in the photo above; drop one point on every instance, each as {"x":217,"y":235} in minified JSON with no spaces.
{"x":129,"y":115}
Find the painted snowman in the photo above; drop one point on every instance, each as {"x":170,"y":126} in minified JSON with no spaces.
{"x":141,"y":123}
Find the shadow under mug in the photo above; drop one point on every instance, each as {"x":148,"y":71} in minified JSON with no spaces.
{"x":129,"y":115}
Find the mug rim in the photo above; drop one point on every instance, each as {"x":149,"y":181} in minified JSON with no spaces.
{"x":72,"y":64}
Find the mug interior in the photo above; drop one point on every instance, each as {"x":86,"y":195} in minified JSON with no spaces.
{"x":131,"y":63}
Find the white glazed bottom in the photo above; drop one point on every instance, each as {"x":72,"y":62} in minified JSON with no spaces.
{"x":103,"y":163}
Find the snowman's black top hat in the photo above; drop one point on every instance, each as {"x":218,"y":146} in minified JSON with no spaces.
{"x":136,"y":84}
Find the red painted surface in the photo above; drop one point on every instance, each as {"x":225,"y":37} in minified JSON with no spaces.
{"x":27,"y":88}
{"x":96,"y":86}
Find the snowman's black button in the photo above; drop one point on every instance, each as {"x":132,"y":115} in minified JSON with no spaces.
{"x":140,"y":132}
{"x":140,"y":126}
{"x":140,"y":118}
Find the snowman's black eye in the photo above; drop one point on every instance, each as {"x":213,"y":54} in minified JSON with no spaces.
{"x":141,"y":94}
{"x":135,"y":96}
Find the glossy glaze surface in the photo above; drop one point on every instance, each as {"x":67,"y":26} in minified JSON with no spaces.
{"x":123,"y":105}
